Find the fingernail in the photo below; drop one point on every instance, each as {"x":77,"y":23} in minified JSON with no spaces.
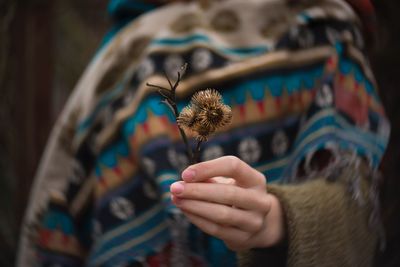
{"x":188,"y":175}
{"x":177,"y":188}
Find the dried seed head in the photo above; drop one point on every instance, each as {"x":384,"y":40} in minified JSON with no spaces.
{"x":205,"y":114}
{"x":187,"y":117}
{"x":208,"y":98}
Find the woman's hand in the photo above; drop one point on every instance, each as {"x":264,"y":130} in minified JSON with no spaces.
{"x":228,"y":199}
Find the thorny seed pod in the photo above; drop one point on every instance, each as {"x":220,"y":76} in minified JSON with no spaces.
{"x":205,"y":114}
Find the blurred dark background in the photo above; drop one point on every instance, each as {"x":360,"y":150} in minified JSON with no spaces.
{"x":46,"y":44}
{"x":44,"y":47}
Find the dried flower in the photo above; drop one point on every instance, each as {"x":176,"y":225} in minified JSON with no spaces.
{"x":205,"y":114}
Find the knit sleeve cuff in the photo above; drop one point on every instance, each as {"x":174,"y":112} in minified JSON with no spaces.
{"x":325,"y":226}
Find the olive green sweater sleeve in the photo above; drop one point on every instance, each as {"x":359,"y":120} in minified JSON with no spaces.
{"x":325,"y":227}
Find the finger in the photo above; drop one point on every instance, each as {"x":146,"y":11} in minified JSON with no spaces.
{"x":226,"y":194}
{"x":221,"y":180}
{"x":234,"y":238}
{"x":247,"y":221}
{"x":228,"y":166}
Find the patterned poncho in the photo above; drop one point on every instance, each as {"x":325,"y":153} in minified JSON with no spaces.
{"x":294,"y":74}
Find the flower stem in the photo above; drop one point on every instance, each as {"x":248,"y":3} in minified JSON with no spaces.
{"x":170,"y":100}
{"x":184,"y":137}
{"x":197,"y":152}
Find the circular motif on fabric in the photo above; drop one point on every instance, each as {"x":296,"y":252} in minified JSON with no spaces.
{"x":212,"y":152}
{"x":249,"y":150}
{"x":150,"y":191}
{"x":201,"y":59}
{"x":178,"y":160}
{"x":121,"y":208}
{"x":146,"y":68}
{"x":172,"y":65}
{"x":279,"y":143}
{"x":225,"y":21}
{"x":186,"y":23}
{"x":324,"y":97}
{"x":149,"y":166}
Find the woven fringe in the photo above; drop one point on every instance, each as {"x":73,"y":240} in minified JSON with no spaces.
{"x":350,"y":163}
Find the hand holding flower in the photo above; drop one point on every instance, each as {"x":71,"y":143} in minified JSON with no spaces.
{"x":237,"y":209}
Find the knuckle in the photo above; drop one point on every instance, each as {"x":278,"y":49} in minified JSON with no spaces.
{"x":265,"y":204}
{"x":261,"y":201}
{"x":261,"y":179}
{"x":234,"y":163}
{"x":258,"y":223}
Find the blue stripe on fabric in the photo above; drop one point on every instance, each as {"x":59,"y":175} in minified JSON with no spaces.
{"x":330,"y":118}
{"x":137,"y":252}
{"x":293,"y":82}
{"x":312,"y":145}
{"x":245,"y":51}
{"x":340,"y":137}
{"x":128,"y":6}
{"x":152,"y":245}
{"x":184,"y":41}
{"x":131,"y":223}
{"x":129,"y":235}
{"x":181,"y":41}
